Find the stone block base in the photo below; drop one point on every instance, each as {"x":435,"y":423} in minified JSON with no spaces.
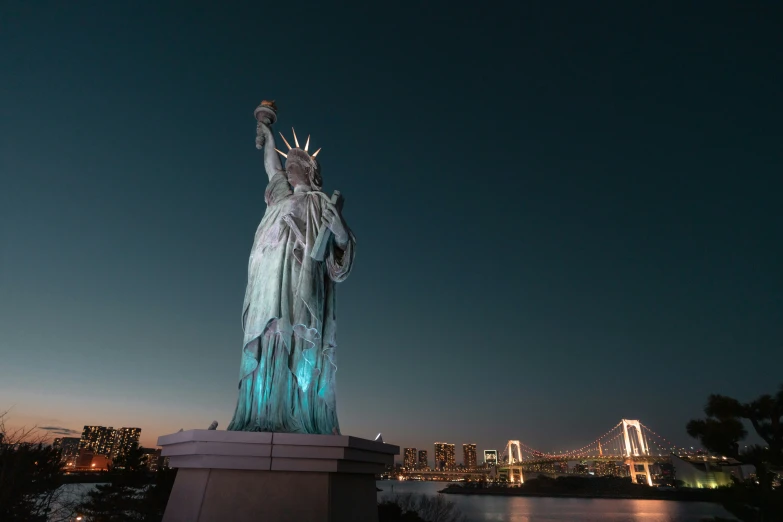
{"x":239,"y":476}
{"x":218,"y":495}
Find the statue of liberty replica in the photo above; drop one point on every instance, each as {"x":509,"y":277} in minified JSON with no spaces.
{"x":283,"y":457}
{"x":301,"y":250}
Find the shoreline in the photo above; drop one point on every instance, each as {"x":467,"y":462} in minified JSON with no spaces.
{"x":678,"y":496}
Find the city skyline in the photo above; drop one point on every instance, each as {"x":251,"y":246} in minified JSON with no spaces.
{"x":107,"y":440}
{"x":564,"y":217}
{"x":109,"y":436}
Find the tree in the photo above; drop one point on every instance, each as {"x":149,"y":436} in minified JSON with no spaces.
{"x":157,"y":495}
{"x":723,"y":429}
{"x":30,"y":478}
{"x":118,"y":501}
{"x":414,"y":508}
{"x":129,"y":496}
{"x":391,"y":512}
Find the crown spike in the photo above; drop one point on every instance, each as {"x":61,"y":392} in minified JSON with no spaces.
{"x":281,"y":153}
{"x":316,"y":153}
{"x":308,"y":142}
{"x":295,"y":140}
{"x":286,"y":141}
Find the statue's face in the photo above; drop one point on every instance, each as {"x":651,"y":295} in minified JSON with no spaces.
{"x":297,"y":175}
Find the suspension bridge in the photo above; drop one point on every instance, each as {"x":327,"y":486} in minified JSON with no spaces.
{"x":629,"y":442}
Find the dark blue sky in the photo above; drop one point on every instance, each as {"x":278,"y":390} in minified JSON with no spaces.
{"x":567,"y":213}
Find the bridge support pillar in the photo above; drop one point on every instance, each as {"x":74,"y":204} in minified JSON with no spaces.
{"x":513,"y":474}
{"x":634,"y":474}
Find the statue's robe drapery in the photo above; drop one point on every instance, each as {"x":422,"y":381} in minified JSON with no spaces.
{"x":287,"y":374}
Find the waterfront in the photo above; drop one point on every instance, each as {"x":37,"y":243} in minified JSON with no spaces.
{"x":479,"y":508}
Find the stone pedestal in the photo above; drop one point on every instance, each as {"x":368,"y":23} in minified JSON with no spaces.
{"x":275,"y":477}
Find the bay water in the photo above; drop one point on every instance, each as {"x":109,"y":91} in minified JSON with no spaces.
{"x":486,"y":508}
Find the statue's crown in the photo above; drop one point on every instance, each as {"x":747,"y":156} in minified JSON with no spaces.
{"x":296,"y":150}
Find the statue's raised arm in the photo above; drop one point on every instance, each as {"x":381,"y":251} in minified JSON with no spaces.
{"x":266,"y":115}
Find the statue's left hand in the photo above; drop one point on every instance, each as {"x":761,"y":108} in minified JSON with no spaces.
{"x":334,"y":220}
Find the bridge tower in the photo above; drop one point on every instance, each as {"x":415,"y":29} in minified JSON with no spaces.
{"x":636,"y":447}
{"x":512,"y":472}
{"x":510,"y":445}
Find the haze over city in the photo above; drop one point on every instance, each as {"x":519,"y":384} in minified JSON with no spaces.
{"x":554,"y":231}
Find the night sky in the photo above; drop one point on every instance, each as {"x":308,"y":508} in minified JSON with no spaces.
{"x":567,"y":212}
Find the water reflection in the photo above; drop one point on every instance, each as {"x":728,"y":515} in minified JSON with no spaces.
{"x":480,"y":508}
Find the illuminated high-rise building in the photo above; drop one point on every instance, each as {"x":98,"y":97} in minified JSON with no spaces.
{"x":409,"y":458}
{"x":440,"y":455}
{"x":469,"y":455}
{"x":491,"y":457}
{"x":124,"y":440}
{"x":444,"y":455}
{"x":451,"y":457}
{"x":151,"y":458}
{"x":98,"y":439}
{"x":108,"y":441}
{"x":69,"y":446}
{"x":423,"y":460}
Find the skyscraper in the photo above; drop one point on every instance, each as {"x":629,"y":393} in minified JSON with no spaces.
{"x":98,"y":439}
{"x":124,"y":440}
{"x":491,"y":457}
{"x":409,"y":458}
{"x":440,"y":455}
{"x":108,"y":441}
{"x":444,"y":455}
{"x":151,"y":458}
{"x":423,"y":460}
{"x":469,"y":455}
{"x":68,"y":445}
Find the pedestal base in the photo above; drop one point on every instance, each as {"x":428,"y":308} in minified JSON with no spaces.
{"x":242,"y":476}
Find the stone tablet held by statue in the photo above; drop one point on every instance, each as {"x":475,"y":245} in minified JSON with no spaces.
{"x":325,"y":234}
